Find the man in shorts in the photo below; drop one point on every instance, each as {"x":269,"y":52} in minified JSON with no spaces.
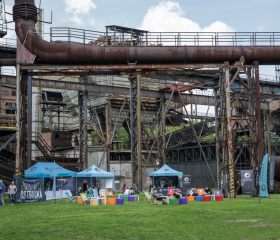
{"x":157,"y":197}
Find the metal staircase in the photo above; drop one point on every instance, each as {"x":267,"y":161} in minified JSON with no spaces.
{"x":44,"y":147}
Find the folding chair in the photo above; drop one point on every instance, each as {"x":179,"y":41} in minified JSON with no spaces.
{"x":148,"y":197}
{"x":200,"y":191}
{"x":102,"y":193}
{"x":85,"y":198}
{"x":69,"y":198}
{"x":170,"y":192}
{"x":111,"y":194}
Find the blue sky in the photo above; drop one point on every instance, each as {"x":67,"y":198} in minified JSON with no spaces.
{"x":155,"y":15}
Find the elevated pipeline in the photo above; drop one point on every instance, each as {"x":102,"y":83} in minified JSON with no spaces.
{"x":25,"y":17}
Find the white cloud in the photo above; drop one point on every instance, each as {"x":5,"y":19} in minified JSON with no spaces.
{"x":79,"y":8}
{"x":169,"y":17}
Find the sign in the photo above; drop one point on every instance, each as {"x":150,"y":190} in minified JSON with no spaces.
{"x":186,"y":184}
{"x":247,"y":182}
{"x":162,"y":191}
{"x":30,"y":190}
{"x":263,"y":177}
{"x":271,"y":173}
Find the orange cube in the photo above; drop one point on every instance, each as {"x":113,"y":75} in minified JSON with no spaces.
{"x":191,"y":198}
{"x":111,"y":201}
{"x":106,"y":200}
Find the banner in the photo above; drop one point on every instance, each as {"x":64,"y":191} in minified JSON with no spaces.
{"x":30,"y":190}
{"x":186,"y":184}
{"x":271,"y":173}
{"x":263,"y":177}
{"x":226,"y":183}
{"x":162,"y":191}
{"x":247,"y":182}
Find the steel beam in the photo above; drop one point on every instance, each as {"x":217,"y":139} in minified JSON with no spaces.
{"x":29,"y":120}
{"x":139,"y":133}
{"x":18,"y":121}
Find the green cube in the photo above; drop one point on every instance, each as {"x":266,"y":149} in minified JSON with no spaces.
{"x":173,"y":201}
{"x":212,"y":197}
{"x":109,"y":196}
{"x":125,"y":198}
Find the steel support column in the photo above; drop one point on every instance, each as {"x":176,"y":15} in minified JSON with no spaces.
{"x":139,"y":136}
{"x":229,"y":132}
{"x":258,"y":111}
{"x":29,"y":127}
{"x":81,"y":103}
{"x":217,"y":137}
{"x":18,"y":129}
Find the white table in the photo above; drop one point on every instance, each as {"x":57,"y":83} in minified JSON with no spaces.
{"x":99,"y":198}
{"x":59,"y":194}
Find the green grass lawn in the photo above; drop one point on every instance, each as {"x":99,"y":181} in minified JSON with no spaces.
{"x":241,"y":218}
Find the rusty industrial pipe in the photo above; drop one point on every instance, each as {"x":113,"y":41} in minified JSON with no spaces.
{"x":25,"y":17}
{"x":8,"y":62}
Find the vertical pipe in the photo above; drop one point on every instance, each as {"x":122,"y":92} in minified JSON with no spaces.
{"x":259,"y":117}
{"x":139,"y":135}
{"x":108,"y":133}
{"x":85,"y":133}
{"x":229,"y":131}
{"x":217,"y":136}
{"x":132,"y":137}
{"x":29,"y":120}
{"x":163,"y":131}
{"x":268,"y":133}
{"x":18,"y":129}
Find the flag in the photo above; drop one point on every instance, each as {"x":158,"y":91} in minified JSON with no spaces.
{"x":54,"y":181}
{"x":271,"y":172}
{"x":263,"y":177}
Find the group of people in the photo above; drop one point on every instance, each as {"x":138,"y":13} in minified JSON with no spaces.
{"x":194,"y":191}
{"x":177,"y":194}
{"x":89,"y":190}
{"x":164,"y":183}
{"x":129,"y":191}
{"x":12,"y":189}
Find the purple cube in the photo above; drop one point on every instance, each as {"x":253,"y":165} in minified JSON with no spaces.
{"x":119,"y":201}
{"x":218,"y":193}
{"x":131,"y":198}
{"x":183,"y":201}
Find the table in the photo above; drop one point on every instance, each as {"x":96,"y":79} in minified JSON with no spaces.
{"x":129,"y":195}
{"x":59,"y":194}
{"x":99,"y":198}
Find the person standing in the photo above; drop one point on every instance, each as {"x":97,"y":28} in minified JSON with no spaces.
{"x":124,"y":188}
{"x":85,"y":186}
{"x":12,"y":191}
{"x":2,"y":192}
{"x":98,"y":188}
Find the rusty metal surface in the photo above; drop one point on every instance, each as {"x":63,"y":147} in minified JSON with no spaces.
{"x":69,"y":52}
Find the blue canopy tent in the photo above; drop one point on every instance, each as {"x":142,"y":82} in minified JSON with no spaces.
{"x":98,"y":173}
{"x":46,"y":170}
{"x":166,"y":171}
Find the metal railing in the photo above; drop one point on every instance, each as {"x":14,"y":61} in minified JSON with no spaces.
{"x":165,"y":38}
{"x":8,"y":120}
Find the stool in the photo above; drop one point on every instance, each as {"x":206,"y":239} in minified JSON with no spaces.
{"x":125,"y":198}
{"x":212,"y":198}
{"x":173,"y":201}
{"x":206,"y":198}
{"x":109,"y":196}
{"x":119,"y":201}
{"x":219,"y":198}
{"x":218,"y":192}
{"x":198,"y":198}
{"x":111,"y":201}
{"x":99,"y":200}
{"x":131,"y":198}
{"x":191,"y":198}
{"x":94,"y":202}
{"x":80,"y":201}
{"x":183,"y":201}
{"x":135,"y":198}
